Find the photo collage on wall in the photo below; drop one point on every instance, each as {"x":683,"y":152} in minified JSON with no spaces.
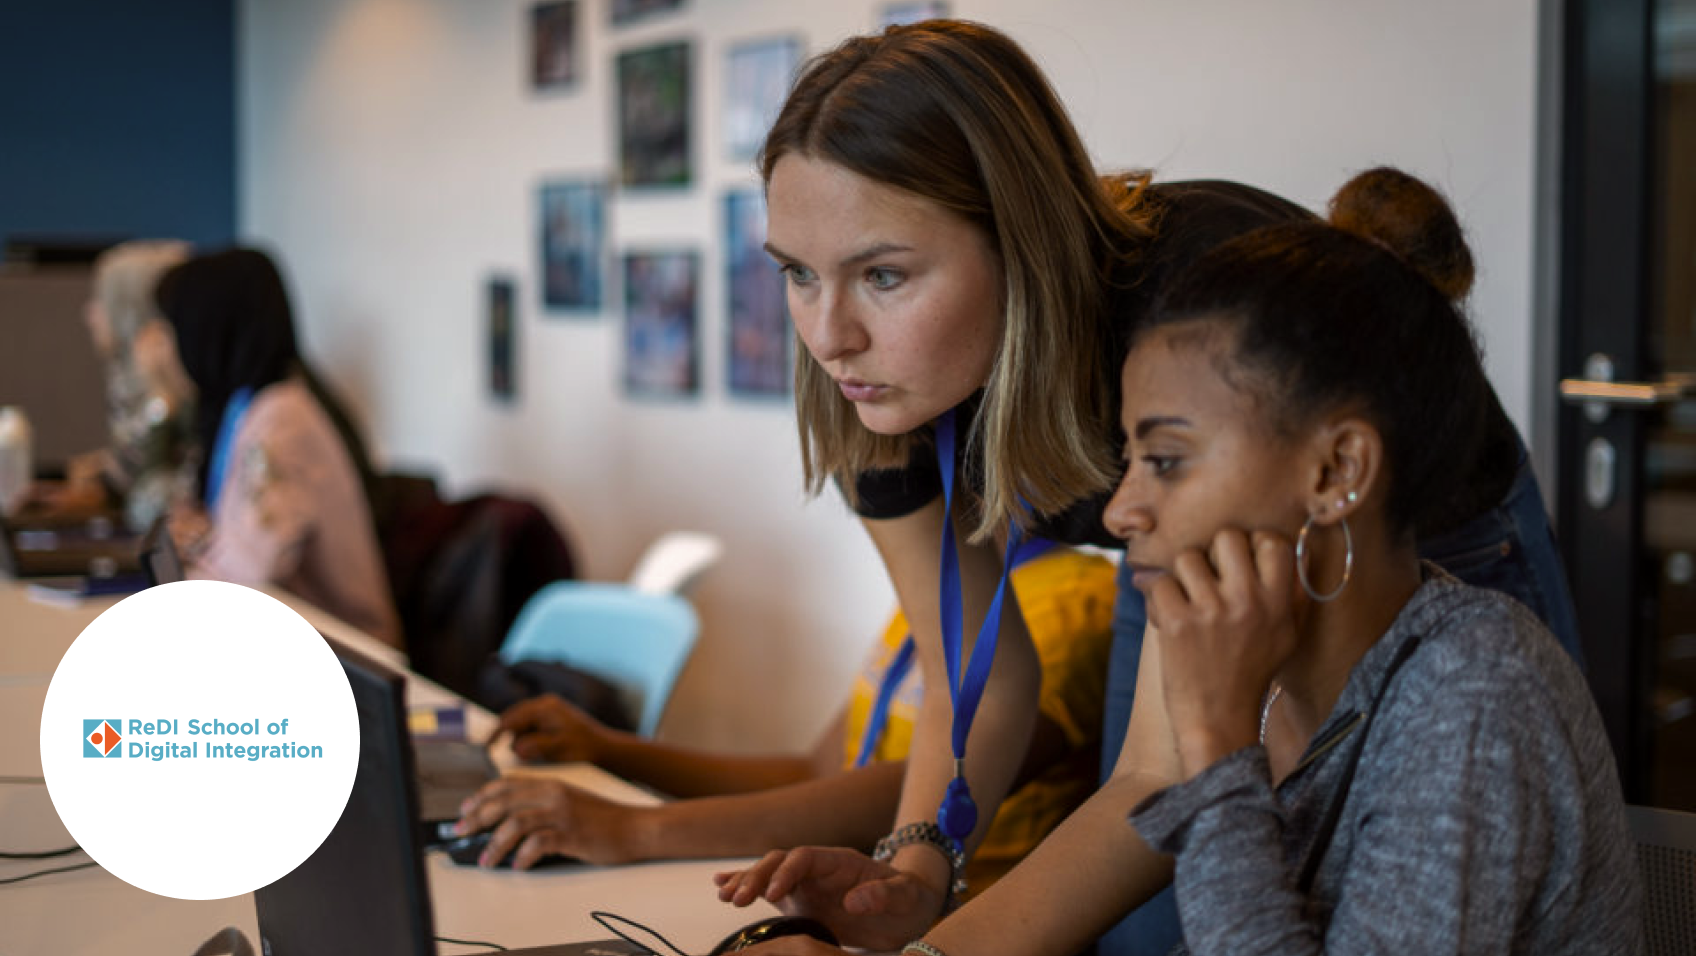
{"x":553,"y":45}
{"x":894,"y":14}
{"x":661,"y":294}
{"x":657,"y":155}
{"x":573,"y":217}
{"x":757,"y":315}
{"x":498,"y":307}
{"x":654,"y":116}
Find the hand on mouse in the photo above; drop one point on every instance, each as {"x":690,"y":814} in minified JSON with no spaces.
{"x":770,"y":928}
{"x":534,"y":817}
{"x":866,"y":903}
{"x":550,"y":729}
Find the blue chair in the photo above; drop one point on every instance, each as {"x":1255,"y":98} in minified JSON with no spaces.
{"x":637,"y":642}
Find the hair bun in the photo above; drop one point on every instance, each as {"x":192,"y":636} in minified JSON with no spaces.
{"x":1412,"y":220}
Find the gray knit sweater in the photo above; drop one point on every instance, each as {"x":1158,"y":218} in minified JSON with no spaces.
{"x":1485,"y":814}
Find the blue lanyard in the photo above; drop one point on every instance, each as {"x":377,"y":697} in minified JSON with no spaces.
{"x":234,"y":409}
{"x":958,"y":814}
{"x":896,"y":672}
{"x":902,"y":662}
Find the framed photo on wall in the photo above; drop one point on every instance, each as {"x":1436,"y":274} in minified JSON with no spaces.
{"x":626,"y":12}
{"x":661,"y":346}
{"x":756,"y":80}
{"x":653,"y":116}
{"x":502,"y":329}
{"x":757,"y":338}
{"x":572,"y":215}
{"x":910,"y":11}
{"x":553,"y":45}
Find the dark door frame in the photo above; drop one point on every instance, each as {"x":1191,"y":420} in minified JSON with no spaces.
{"x":1603,"y":292}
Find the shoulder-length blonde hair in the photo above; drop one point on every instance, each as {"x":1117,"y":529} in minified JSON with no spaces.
{"x":957,"y":113}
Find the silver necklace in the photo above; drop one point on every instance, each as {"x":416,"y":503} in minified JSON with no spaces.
{"x":1266,"y":710}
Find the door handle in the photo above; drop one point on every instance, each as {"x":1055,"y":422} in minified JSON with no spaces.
{"x":1597,"y":391}
{"x":1676,"y":388}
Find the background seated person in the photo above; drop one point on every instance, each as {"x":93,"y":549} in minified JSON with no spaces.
{"x":151,"y":461}
{"x":281,"y":497}
{"x":746,"y":805}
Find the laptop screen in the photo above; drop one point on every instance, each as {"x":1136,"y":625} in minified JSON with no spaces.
{"x":363,"y":891}
{"x":34,"y":546}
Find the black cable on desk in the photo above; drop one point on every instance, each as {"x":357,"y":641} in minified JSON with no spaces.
{"x":60,"y":869}
{"x":38,"y":854}
{"x":469,"y":942}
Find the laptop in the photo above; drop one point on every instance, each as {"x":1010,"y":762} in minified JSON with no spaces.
{"x":98,"y":547}
{"x":364,"y":889}
{"x":448,"y":771}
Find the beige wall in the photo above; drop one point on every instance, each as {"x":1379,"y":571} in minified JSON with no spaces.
{"x":390,"y":151}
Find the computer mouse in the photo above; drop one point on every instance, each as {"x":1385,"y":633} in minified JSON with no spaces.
{"x":466,"y":850}
{"x":773,"y":927}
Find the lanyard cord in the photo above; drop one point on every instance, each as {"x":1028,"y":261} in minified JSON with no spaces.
{"x":958,"y":814}
{"x":234,"y":410}
{"x":901,"y":663}
{"x":897,"y":670}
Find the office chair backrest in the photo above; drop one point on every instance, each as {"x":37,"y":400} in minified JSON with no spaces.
{"x":635,"y":641}
{"x":1666,"y":851}
{"x":673,"y":563}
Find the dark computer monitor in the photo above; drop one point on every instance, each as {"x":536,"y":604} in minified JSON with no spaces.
{"x":363,"y":891}
{"x":160,"y":561}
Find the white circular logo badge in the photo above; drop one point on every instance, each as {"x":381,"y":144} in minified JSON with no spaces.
{"x":199,"y":740}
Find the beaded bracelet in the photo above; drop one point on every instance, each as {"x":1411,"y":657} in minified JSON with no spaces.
{"x":926,"y":833}
{"x":919,"y":947}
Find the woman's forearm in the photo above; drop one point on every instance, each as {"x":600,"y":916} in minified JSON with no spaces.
{"x":687,"y":772}
{"x":1088,"y":873}
{"x":1094,"y":868}
{"x":851,"y":809}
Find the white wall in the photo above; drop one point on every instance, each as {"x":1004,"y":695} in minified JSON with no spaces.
{"x":390,"y":152}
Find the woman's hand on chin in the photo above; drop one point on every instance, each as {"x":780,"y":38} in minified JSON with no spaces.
{"x":1226,"y":622}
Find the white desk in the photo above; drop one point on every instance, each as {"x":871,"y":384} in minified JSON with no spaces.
{"x":92,"y":913}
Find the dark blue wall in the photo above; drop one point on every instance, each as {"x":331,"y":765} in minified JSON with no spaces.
{"x":117,"y":119}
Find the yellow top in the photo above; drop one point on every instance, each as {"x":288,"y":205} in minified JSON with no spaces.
{"x":1067,"y":600}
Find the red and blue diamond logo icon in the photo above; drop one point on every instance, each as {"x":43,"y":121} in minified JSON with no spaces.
{"x":100,"y":738}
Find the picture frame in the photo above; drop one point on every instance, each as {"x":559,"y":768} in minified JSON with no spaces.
{"x":571,"y":215}
{"x":501,"y":326}
{"x":757,"y":77}
{"x":661,"y":331}
{"x":910,"y":11}
{"x":553,"y":45}
{"x":654,"y":116}
{"x":622,"y":13}
{"x":758,"y":340}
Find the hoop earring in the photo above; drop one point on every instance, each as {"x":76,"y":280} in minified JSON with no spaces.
{"x":1301,"y":561}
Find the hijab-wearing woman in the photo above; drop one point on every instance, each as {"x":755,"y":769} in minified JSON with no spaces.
{"x":281,"y":489}
{"x":152,"y":459}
